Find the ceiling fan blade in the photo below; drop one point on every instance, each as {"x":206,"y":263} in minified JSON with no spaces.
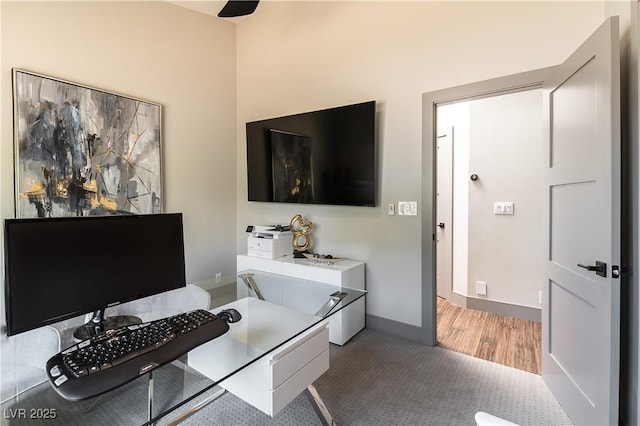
{"x":235,"y":8}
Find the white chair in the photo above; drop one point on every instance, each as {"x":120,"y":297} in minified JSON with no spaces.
{"x":23,"y":360}
{"x":486,"y":419}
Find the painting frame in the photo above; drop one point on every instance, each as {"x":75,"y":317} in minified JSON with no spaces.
{"x":80,"y":150}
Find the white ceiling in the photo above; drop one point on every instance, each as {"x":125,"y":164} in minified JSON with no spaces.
{"x":208,"y":7}
{"x":211,"y":7}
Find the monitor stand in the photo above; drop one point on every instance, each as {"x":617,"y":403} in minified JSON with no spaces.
{"x":99,"y":323}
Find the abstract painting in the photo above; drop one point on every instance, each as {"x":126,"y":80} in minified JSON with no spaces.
{"x":82,"y":151}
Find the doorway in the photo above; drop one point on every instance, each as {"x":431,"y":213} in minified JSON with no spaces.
{"x":480,"y":90}
{"x":489,"y":199}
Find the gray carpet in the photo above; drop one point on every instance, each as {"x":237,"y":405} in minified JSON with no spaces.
{"x":374,"y":379}
{"x":377,"y":379}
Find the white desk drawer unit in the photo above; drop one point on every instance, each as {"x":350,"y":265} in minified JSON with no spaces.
{"x":278,"y":378}
{"x":296,"y":356}
{"x":346,"y":273}
{"x":273,"y":382}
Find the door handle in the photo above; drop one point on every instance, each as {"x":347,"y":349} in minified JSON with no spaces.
{"x":600,"y":268}
{"x":441,"y":225}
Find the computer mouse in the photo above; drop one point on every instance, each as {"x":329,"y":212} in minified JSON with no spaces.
{"x":230,"y":315}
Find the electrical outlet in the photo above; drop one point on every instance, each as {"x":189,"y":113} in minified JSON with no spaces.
{"x":481,"y":288}
{"x":218,"y":277}
{"x":540,"y":298}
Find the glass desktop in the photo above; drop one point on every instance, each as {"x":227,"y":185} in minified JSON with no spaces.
{"x":172,"y":392}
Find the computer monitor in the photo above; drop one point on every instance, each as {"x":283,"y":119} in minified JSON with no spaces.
{"x":60,"y":268}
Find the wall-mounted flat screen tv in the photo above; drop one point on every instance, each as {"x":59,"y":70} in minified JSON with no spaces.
{"x":319,"y":157}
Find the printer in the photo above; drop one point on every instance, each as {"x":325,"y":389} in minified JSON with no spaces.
{"x":270,"y":241}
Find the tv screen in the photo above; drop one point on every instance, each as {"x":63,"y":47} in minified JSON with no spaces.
{"x":59,"y":268}
{"x":320,"y":157}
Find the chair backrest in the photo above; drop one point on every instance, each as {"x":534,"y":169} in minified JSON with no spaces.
{"x":486,"y":419}
{"x":166,"y":304}
{"x":24,"y":358}
{"x":185,"y":299}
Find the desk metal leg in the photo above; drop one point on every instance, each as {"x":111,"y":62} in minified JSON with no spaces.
{"x":334,"y":299}
{"x":197,"y":408}
{"x":319,"y":407}
{"x":251,"y":283}
{"x":150,"y":396}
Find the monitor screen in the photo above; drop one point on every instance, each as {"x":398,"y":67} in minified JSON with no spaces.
{"x":59,"y":268}
{"x":318,"y":157}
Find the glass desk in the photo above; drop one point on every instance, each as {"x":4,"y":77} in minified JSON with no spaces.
{"x":267,"y":358}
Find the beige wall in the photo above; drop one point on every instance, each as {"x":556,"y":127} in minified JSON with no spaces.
{"x":181,"y":59}
{"x":301,"y":56}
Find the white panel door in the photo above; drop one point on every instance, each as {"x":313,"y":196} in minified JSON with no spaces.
{"x":582,"y":170}
{"x":444,"y":214}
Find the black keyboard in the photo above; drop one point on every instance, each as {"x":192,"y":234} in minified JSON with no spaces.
{"x":115,"y":357}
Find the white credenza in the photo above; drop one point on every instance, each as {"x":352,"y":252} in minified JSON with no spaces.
{"x":344,"y":324}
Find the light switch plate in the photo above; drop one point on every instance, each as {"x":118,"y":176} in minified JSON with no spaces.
{"x":503,"y":207}
{"x":408,"y":208}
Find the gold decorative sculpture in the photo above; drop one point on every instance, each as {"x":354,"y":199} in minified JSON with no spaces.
{"x":301,"y":230}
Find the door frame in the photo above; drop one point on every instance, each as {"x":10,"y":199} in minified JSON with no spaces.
{"x":498,"y":86}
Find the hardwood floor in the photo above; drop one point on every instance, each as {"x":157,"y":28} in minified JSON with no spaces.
{"x":505,"y":340}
